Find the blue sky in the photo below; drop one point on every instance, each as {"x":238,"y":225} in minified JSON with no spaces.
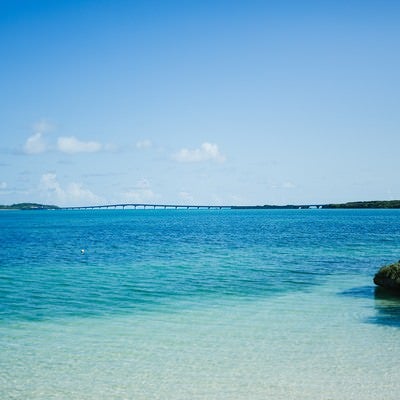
{"x":217,"y":102}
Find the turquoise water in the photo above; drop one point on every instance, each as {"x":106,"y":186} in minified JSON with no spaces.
{"x":207,"y":304}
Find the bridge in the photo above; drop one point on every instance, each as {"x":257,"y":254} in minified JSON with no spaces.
{"x":146,"y":206}
{"x":189,"y":206}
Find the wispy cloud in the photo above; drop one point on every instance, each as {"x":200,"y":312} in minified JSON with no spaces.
{"x":43,"y":126}
{"x":36,"y":143}
{"x":72,"y":145}
{"x":206,"y":152}
{"x":144,"y":144}
{"x":140,"y":193}
{"x":3,"y":185}
{"x":72,"y":194}
{"x":39,"y":142}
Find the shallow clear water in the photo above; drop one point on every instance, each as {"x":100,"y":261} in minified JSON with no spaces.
{"x":177,"y":304}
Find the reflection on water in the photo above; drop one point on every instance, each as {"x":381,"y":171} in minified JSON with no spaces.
{"x":359,"y":292}
{"x":387,"y":306}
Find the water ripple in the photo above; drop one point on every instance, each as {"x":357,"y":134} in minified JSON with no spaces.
{"x":139,"y":260}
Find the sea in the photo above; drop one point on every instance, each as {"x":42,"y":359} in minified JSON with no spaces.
{"x":198,"y":304}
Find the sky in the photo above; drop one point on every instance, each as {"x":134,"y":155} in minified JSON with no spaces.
{"x":219,"y":102}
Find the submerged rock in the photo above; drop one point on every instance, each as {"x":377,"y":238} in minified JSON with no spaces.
{"x":388,"y":277}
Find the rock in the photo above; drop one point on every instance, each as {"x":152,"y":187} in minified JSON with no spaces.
{"x":388,"y":277}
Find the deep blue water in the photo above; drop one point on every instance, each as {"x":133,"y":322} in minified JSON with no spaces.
{"x":138,"y":260}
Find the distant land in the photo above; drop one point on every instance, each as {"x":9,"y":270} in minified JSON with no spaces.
{"x":350,"y":205}
{"x":29,"y":206}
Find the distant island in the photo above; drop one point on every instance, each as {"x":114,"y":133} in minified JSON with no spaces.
{"x":29,"y":206}
{"x":350,"y":205}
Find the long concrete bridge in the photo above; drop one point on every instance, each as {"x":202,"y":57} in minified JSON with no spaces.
{"x":145,"y":206}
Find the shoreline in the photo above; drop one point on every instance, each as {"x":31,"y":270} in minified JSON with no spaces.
{"x":374,"y":204}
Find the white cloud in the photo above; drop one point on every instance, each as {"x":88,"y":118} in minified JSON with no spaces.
{"x":73,"y":145}
{"x":138,"y":196}
{"x":144,"y":144}
{"x":206,"y":152}
{"x":73,"y":194}
{"x":3,"y":185}
{"x":35,"y":144}
{"x":50,"y":185}
{"x":140,"y":193}
{"x":76,"y":191}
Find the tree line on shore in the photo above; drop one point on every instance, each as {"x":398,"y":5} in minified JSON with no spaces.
{"x":349,"y":205}
{"x":28,"y":206}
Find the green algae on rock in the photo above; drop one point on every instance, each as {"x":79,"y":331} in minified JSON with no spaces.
{"x":388,"y":276}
